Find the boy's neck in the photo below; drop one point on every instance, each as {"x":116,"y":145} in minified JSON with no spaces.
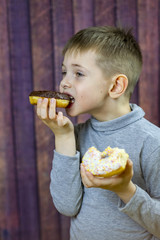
{"x":114,"y":110}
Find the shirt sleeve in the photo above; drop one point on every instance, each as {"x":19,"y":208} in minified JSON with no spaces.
{"x":66,"y":187}
{"x":144,"y":207}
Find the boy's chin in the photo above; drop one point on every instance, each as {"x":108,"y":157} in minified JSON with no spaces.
{"x":72,"y":113}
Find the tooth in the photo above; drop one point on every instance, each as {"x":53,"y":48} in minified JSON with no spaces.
{"x":72,"y":100}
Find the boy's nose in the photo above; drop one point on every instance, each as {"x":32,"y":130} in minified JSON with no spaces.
{"x":65,"y":84}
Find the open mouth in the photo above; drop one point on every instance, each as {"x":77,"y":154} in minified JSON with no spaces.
{"x":72,"y":100}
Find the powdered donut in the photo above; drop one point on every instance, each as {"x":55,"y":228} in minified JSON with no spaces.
{"x":111,"y":161}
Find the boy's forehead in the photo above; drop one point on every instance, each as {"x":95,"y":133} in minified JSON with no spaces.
{"x":85,"y":59}
{"x":75,"y":53}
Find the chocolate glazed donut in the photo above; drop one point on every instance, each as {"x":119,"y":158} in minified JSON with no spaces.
{"x":62,"y":99}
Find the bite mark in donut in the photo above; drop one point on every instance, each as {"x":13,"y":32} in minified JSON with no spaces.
{"x":62,"y":100}
{"x":112,"y":161}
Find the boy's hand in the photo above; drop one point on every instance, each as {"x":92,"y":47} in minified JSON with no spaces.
{"x":60,"y":125}
{"x":120,"y":184}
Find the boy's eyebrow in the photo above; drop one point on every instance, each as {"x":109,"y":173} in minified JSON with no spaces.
{"x":75,"y":65}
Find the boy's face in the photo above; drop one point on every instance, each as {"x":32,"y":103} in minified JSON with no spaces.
{"x":86,"y":83}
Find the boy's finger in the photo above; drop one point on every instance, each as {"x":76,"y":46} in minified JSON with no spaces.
{"x":85,"y":178}
{"x":60,"y":119}
{"x":52,"y":108}
{"x":39,"y":107}
{"x":44,"y":108}
{"x":129,"y":168}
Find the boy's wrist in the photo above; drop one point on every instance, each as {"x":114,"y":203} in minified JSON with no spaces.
{"x":129,"y":192}
{"x":65,"y":144}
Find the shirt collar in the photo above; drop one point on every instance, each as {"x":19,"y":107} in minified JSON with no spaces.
{"x":115,"y":124}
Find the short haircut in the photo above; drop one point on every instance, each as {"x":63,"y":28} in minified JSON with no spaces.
{"x":117,"y":51}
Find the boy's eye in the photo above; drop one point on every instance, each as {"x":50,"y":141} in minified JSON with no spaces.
{"x":79,"y":74}
{"x":63,"y":73}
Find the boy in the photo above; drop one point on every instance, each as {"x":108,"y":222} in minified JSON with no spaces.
{"x":100,"y":69}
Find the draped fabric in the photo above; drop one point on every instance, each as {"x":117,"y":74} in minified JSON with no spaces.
{"x":32,"y":35}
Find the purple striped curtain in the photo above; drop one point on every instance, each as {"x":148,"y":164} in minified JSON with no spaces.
{"x":32,"y":35}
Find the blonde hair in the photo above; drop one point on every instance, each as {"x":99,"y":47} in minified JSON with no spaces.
{"x":117,"y":51}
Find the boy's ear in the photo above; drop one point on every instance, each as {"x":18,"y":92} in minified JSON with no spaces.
{"x":119,"y":85}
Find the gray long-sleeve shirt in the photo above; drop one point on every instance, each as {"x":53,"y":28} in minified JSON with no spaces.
{"x":98,"y":214}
